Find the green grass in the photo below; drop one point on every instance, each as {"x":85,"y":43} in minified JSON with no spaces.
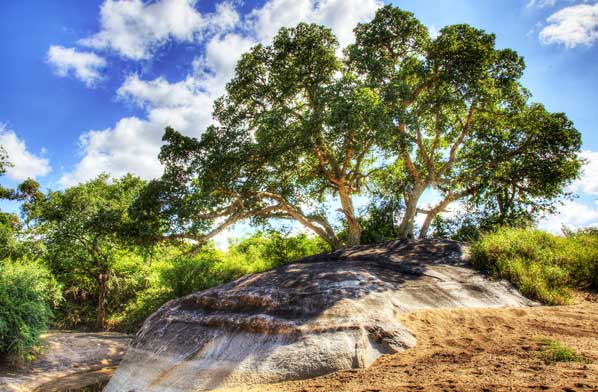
{"x":541,"y":265}
{"x":554,"y":351}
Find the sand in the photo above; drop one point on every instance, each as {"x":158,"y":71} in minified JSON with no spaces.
{"x":475,"y":350}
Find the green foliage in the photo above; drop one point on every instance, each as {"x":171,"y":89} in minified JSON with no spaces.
{"x":27,"y":293}
{"x":4,"y":163}
{"x":84,"y":229}
{"x":379,"y":221}
{"x":543,"y":266}
{"x":9,"y":226}
{"x":554,"y":351}
{"x":463,"y":123}
{"x":470,"y":224}
{"x":295,"y":127}
{"x":172,"y":276}
{"x":273,"y":249}
{"x":300,"y":125}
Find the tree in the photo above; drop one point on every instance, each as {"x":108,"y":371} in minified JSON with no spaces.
{"x":294,"y":128}
{"x":4,"y":164}
{"x":462,"y":122}
{"x":83,"y":228}
{"x":300,"y":125}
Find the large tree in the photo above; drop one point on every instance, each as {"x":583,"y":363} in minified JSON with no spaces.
{"x":300,"y":125}
{"x":84,"y":229}
{"x":462,"y":122}
{"x":295,"y":128}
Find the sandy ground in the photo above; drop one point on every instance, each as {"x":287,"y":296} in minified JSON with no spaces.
{"x":457,"y":350}
{"x":70,"y":359}
{"x":475,"y":350}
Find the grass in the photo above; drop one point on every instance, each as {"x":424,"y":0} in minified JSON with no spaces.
{"x":554,"y":351}
{"x":541,"y":265}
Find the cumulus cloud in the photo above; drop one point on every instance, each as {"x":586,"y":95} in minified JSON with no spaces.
{"x":24,"y":163}
{"x":85,"y":66}
{"x":588,"y":182}
{"x":217,"y":65}
{"x":572,"y":26}
{"x":134,"y":28}
{"x":132,"y":145}
{"x":571,"y":215}
{"x":340,"y":15}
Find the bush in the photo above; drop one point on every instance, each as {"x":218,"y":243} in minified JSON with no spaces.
{"x":543,"y":266}
{"x":177,"y":276}
{"x":27,"y":292}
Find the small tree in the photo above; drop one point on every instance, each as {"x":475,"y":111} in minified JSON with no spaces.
{"x":83,"y":229}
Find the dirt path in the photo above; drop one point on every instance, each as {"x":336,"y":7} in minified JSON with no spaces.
{"x":70,"y":359}
{"x":476,"y":350}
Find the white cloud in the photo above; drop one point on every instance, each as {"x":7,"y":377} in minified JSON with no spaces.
{"x":340,"y":15}
{"x":134,"y":28}
{"x":541,"y":3}
{"x":85,"y":66}
{"x":588,"y":182}
{"x":572,"y":26}
{"x":217,"y":66}
{"x":24,"y":163}
{"x":132,"y":145}
{"x":572,"y":215}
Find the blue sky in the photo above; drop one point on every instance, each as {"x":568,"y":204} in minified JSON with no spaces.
{"x":88,"y":86}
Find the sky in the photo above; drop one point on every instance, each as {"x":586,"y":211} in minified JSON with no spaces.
{"x":88,"y":86}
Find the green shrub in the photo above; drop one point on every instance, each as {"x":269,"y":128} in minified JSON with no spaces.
{"x":554,"y":351}
{"x":176,"y":276}
{"x":542,"y":265}
{"x":27,"y":292}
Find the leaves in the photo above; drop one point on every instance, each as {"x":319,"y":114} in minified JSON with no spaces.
{"x":300,"y":125}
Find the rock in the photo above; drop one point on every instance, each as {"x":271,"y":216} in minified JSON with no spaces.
{"x":321,"y":314}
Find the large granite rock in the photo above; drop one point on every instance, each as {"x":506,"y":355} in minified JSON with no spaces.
{"x":321,"y":314}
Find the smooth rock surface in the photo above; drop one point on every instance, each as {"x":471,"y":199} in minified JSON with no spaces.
{"x":324,"y":313}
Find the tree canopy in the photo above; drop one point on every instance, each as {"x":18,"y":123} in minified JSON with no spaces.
{"x":84,"y":227}
{"x":302,"y":128}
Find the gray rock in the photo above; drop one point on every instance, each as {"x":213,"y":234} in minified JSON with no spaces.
{"x":321,"y":314}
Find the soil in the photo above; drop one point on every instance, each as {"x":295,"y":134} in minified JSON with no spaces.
{"x":475,"y":350}
{"x":70,"y":360}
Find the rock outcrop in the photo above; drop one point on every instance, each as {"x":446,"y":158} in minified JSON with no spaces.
{"x":321,"y":314}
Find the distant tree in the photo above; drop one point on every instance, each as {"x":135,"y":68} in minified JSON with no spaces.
{"x":300,"y":125}
{"x":4,"y":164}
{"x":83,"y":228}
{"x":10,"y":224}
{"x":462,"y":122}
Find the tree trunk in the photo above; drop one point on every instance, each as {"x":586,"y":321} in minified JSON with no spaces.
{"x":423,"y":232}
{"x":405,"y":230}
{"x":352,"y":221}
{"x":433,"y":212}
{"x":100,"y":323}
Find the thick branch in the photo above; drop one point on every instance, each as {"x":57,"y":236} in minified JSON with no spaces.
{"x":466,"y":128}
{"x":441,"y":206}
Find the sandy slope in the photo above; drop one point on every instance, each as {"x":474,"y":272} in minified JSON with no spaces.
{"x":475,"y":350}
{"x":69,"y":359}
